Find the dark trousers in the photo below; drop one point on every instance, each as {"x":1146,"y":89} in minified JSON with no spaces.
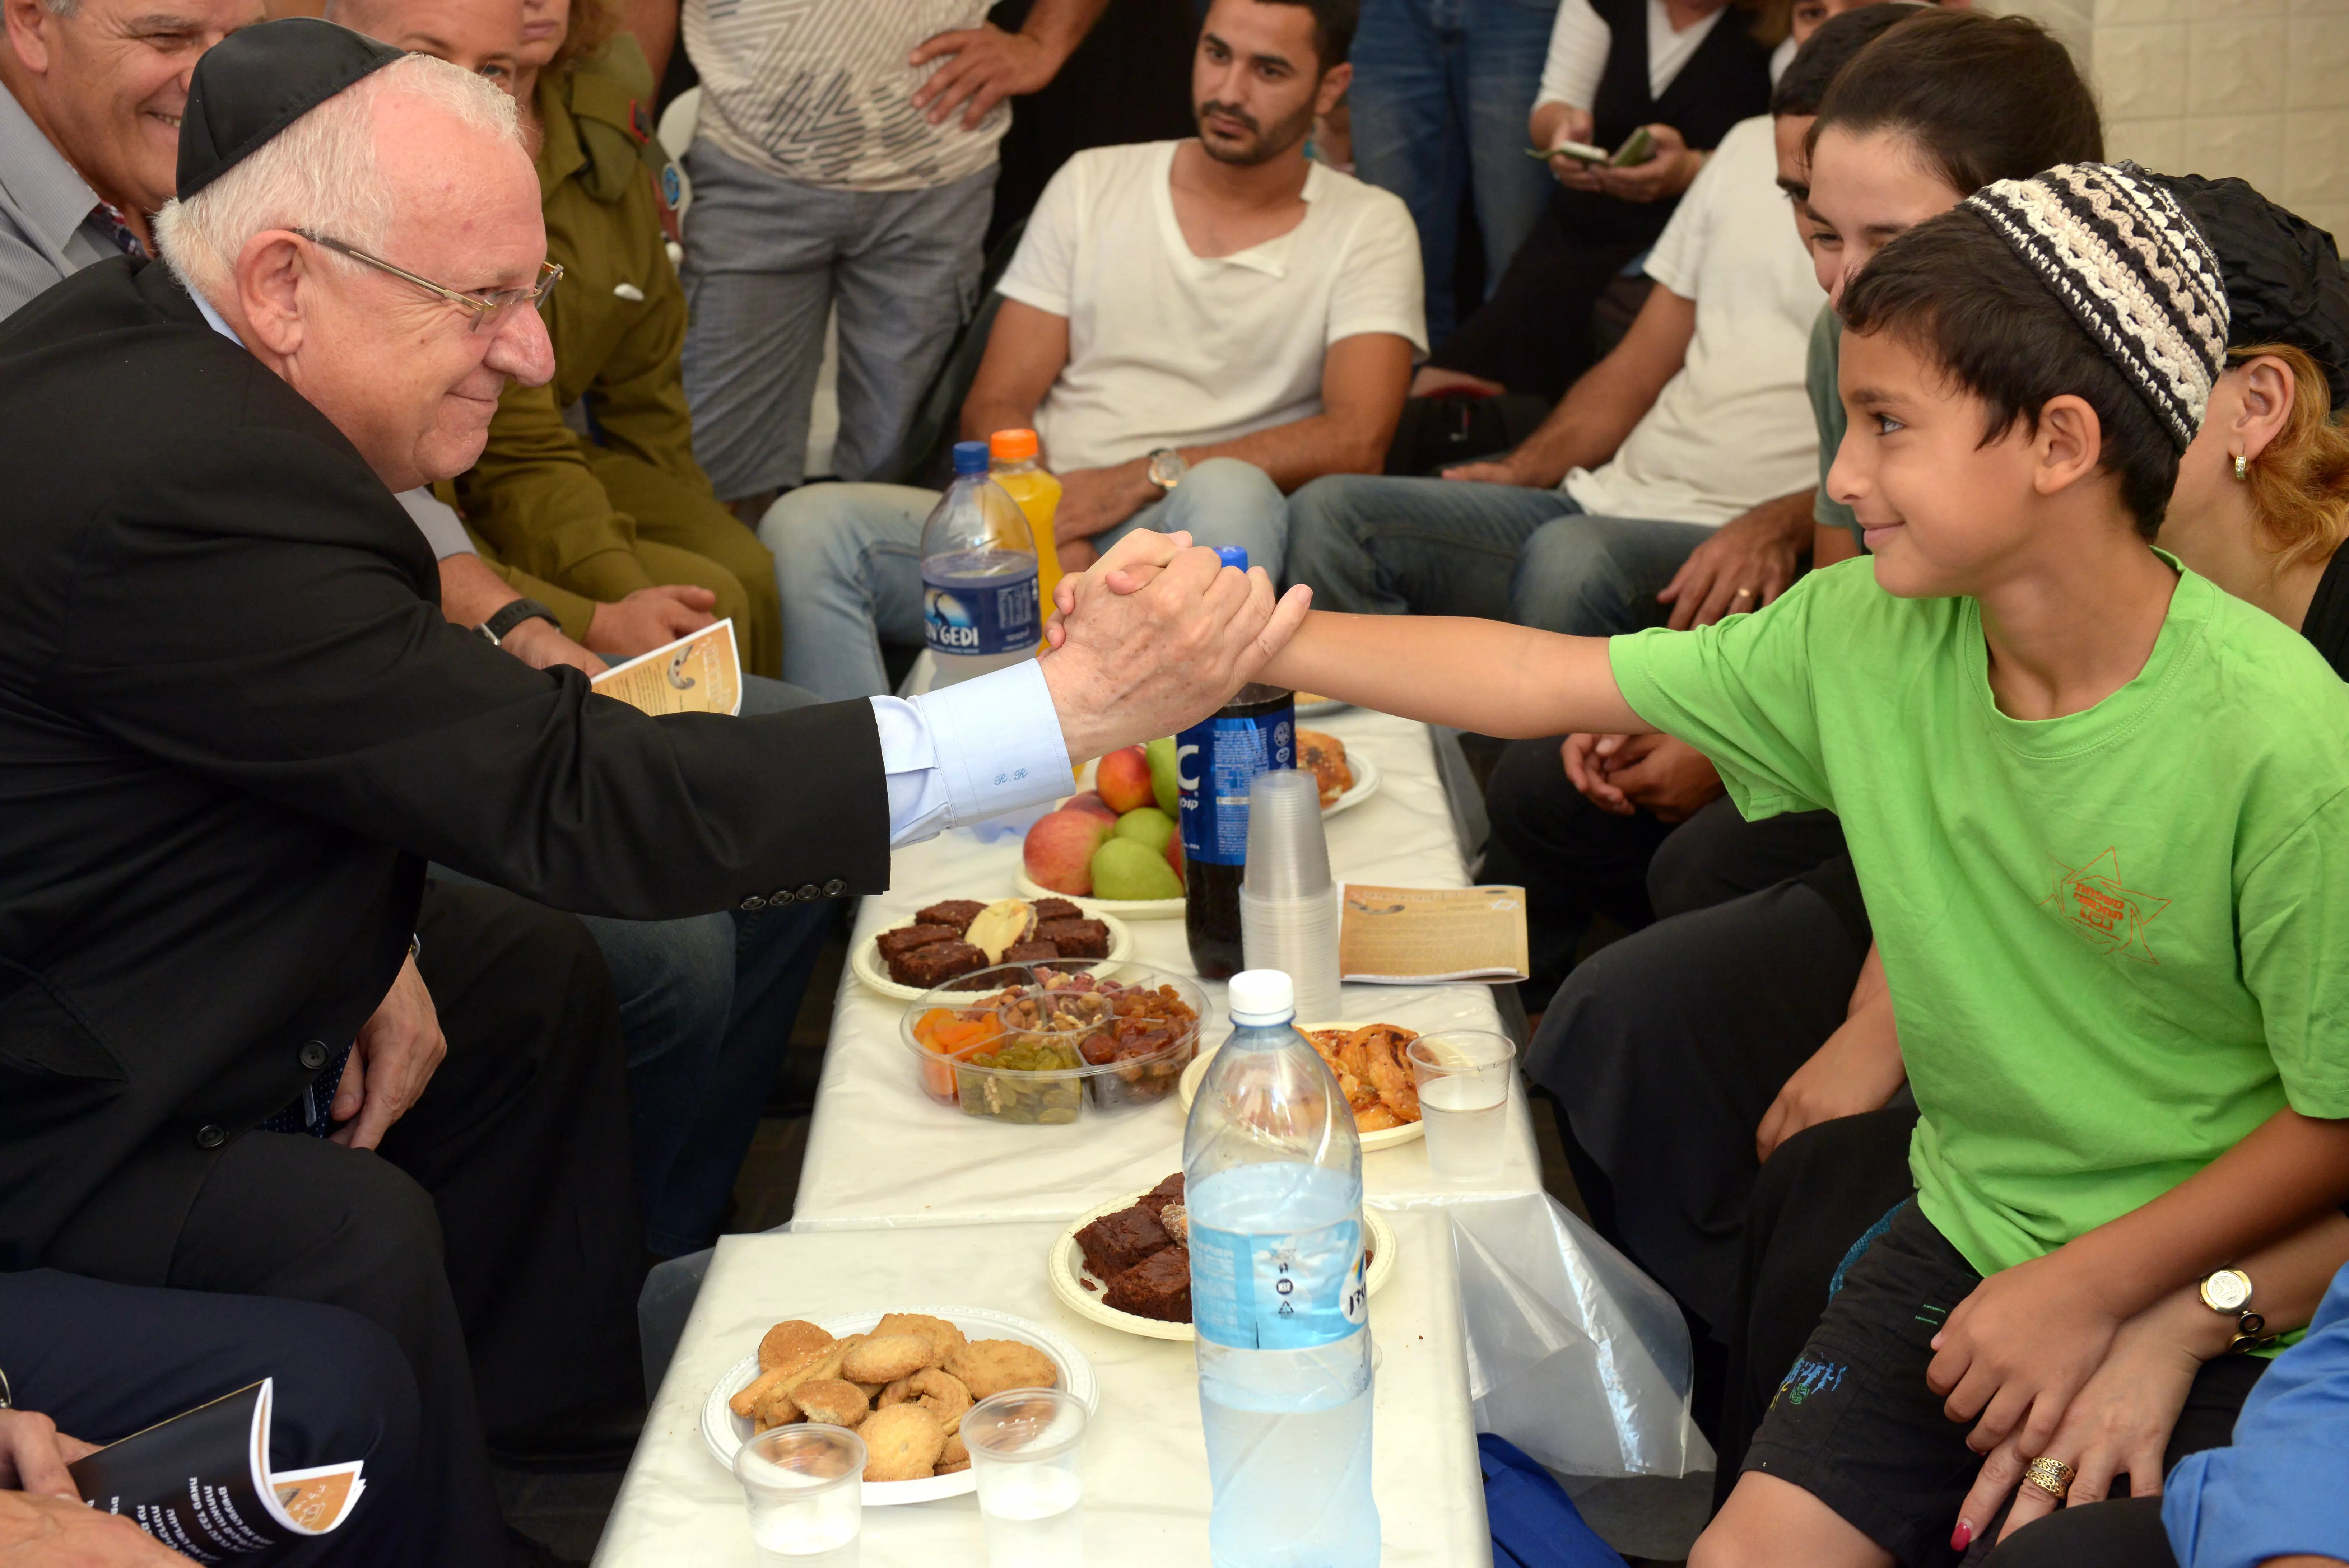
{"x":104,"y":1361}
{"x":1534,"y":333}
{"x":496,"y":1235}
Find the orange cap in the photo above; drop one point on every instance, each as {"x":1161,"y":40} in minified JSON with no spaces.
{"x":1011,"y":445}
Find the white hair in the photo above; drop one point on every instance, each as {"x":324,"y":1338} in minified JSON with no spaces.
{"x":321,"y":172}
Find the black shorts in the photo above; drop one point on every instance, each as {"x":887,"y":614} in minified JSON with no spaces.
{"x":1854,"y":1423}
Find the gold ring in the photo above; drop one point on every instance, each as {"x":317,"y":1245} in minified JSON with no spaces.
{"x":2052,"y":1477}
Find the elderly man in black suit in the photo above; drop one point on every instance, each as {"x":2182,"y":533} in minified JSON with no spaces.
{"x":233,"y":724}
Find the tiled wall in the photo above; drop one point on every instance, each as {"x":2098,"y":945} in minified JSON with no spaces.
{"x":2258,"y":89}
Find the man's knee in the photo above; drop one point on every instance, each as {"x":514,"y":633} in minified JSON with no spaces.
{"x":1567,"y":580}
{"x":1224,"y":501}
{"x":822,"y":532}
{"x":1325,"y":520}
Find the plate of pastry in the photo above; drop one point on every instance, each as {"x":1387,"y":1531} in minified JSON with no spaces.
{"x":940,"y":1361}
{"x":1368,"y":1061}
{"x":958,"y":936}
{"x":1125,"y":1264}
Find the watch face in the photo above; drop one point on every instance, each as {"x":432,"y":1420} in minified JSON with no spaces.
{"x":2227,"y":1290}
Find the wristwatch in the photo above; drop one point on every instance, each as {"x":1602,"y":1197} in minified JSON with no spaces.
{"x":1167,"y":468}
{"x":498,"y":625}
{"x":2229,"y":1293}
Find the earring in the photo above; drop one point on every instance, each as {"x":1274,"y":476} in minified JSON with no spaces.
{"x":2242,"y":468}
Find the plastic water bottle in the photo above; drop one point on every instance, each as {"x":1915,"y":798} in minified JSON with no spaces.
{"x":978,"y":576}
{"x":1273,"y":1186}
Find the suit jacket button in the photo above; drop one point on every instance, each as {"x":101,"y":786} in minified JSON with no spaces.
{"x":314,"y":1055}
{"x":753,"y":904}
{"x":834,"y":888}
{"x":210,"y":1137}
{"x":810,"y":894}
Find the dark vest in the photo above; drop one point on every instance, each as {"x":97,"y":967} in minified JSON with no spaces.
{"x":1726,"y":80}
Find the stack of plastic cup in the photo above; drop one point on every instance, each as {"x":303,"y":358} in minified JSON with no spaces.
{"x":1288,"y":906}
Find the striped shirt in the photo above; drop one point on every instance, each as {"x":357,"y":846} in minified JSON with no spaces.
{"x":48,"y":231}
{"x":818,"y":91}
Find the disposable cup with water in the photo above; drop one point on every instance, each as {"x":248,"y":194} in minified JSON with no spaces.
{"x":805,"y":1485}
{"x":1288,"y":855}
{"x":1027,"y":1454}
{"x":1464,"y":1078}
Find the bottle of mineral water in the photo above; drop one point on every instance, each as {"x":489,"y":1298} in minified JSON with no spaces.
{"x":1273,"y":1185}
{"x":978,"y":576}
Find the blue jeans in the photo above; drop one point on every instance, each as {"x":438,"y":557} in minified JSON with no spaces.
{"x":848,"y":562}
{"x":1451,"y":547}
{"x":1443,"y":90}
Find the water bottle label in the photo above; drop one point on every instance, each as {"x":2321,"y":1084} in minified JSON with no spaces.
{"x":1215,"y":762}
{"x":1279,"y":1292}
{"x":997,"y":616}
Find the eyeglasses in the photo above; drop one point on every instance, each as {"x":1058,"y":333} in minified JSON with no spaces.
{"x":485,"y":307}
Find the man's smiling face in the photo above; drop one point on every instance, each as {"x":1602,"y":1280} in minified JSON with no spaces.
{"x":110,"y":81}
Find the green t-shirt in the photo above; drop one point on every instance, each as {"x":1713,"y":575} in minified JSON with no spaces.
{"x":1821,"y":374}
{"x":2117,"y":940}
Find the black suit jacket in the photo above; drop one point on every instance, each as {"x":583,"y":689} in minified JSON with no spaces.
{"x":233,"y":724}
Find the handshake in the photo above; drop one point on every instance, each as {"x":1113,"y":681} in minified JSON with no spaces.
{"x":1156,"y":635}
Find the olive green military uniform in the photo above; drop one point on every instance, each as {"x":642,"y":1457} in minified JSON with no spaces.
{"x":603,"y":515}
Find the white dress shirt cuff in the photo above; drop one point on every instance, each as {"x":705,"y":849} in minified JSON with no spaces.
{"x":968,"y":752}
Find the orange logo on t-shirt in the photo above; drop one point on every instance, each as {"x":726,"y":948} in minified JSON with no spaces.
{"x":2093,"y":903}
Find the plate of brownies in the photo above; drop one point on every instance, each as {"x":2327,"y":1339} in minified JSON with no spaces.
{"x":1124,"y":1265}
{"x":959,"y":936}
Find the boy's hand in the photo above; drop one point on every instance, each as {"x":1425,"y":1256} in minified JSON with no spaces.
{"x":1858,"y":1070}
{"x":2018,"y":1349}
{"x":1130,"y":563}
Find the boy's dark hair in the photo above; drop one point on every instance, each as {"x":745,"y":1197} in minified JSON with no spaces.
{"x":1982,"y":98}
{"x":1956,"y":291}
{"x":1333,"y":27}
{"x":1816,"y":64}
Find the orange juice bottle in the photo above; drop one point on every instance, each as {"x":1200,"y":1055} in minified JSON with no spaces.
{"x":1011,"y":455}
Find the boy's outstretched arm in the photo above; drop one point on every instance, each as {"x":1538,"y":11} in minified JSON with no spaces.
{"x":1483,"y":675}
{"x":2021,"y":1345}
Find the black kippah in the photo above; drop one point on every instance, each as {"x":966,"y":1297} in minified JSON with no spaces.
{"x":260,"y":80}
{"x":2283,"y":274}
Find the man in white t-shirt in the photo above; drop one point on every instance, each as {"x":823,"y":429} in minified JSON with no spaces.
{"x":1673,"y":481}
{"x":1192,"y":329}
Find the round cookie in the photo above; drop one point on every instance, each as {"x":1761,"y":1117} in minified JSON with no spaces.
{"x":789,"y":1341}
{"x":954,"y":1457}
{"x":988,"y":1367}
{"x":885,"y":1357}
{"x":940,"y":1393}
{"x":944,"y":1337}
{"x":901,"y":1443}
{"x":830,"y":1400}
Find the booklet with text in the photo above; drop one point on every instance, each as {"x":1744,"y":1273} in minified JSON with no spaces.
{"x":698,"y":673}
{"x":1420,"y":935}
{"x":200,"y":1482}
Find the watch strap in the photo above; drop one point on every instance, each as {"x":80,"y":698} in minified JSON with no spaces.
{"x":511,"y":616}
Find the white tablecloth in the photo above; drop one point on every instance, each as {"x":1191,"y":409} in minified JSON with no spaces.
{"x":882,"y":1153}
{"x":1147,"y":1494}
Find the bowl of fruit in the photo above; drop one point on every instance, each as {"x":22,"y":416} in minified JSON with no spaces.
{"x":1032,"y":1044}
{"x":1117,"y":845}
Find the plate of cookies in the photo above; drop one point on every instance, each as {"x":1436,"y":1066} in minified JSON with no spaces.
{"x":1368,"y":1061}
{"x":1127,"y":1265}
{"x":901,"y":1380}
{"x":959,"y":936}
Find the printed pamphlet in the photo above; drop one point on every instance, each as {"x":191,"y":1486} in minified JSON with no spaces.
{"x":698,"y":673}
{"x":1420,"y":935}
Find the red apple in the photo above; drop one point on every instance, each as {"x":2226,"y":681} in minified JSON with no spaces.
{"x":1058,"y":850}
{"x":1175,"y":852}
{"x":1090,"y":800}
{"x":1123,"y":781}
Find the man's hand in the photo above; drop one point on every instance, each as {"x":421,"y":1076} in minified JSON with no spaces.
{"x":34,"y":1455}
{"x":1555,"y":122}
{"x":394,"y":1059}
{"x":984,"y":65}
{"x":1623,"y":773}
{"x":2017,"y":1350}
{"x":1093,"y":500}
{"x":1499,"y":471}
{"x":648,"y":618}
{"x":542,"y":647}
{"x":1748,"y":562}
{"x":1661,"y":178}
{"x":1858,"y":1070}
{"x":38,"y":1532}
{"x":1155,"y":636}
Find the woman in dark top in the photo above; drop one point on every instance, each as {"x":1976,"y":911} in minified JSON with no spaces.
{"x":1534,"y":335}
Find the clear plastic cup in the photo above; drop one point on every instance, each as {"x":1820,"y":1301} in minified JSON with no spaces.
{"x":806,"y":1490}
{"x":1027,"y":1454}
{"x":1287,"y":856}
{"x":1464,"y":1078}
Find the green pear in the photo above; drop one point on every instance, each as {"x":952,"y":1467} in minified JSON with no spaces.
{"x":1161,"y":754}
{"x":1130,"y":869}
{"x":1147,"y":825}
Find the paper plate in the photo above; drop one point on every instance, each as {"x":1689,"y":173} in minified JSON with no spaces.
{"x":868,"y":967}
{"x":1066,"y":1265}
{"x":726,"y":1432}
{"x":1366,"y":783}
{"x":1386,"y":1138}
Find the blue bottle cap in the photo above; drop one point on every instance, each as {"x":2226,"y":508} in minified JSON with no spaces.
{"x":1232,"y":555}
{"x":970,"y":457}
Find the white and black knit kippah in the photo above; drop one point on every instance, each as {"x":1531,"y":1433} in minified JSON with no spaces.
{"x":2124,"y":257}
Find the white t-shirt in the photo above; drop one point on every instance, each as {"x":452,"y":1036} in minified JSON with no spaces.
{"x":1171,"y":349}
{"x":1579,"y":39}
{"x":1732,"y":427}
{"x":819,"y":92}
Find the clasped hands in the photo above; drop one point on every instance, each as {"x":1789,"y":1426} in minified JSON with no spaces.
{"x":43,"y":1524}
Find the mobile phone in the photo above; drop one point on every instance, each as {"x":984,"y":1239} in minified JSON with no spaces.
{"x":1637,"y":149}
{"x":1581,"y":152}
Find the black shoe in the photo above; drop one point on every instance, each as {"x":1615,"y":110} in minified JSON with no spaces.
{"x":529,"y":1551}
{"x":579,"y":1441}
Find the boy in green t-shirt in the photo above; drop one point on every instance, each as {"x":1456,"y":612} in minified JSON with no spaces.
{"x":2100,"y":808}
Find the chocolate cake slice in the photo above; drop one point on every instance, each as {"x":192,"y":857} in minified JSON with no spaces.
{"x":1030,"y":953}
{"x":906,"y":938}
{"x":1167,"y":1191}
{"x":936,"y":963}
{"x":1158,"y":1286}
{"x":1115,"y":1242}
{"x":1054,"y":909}
{"x":1075,"y":938}
{"x":957,"y":913}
